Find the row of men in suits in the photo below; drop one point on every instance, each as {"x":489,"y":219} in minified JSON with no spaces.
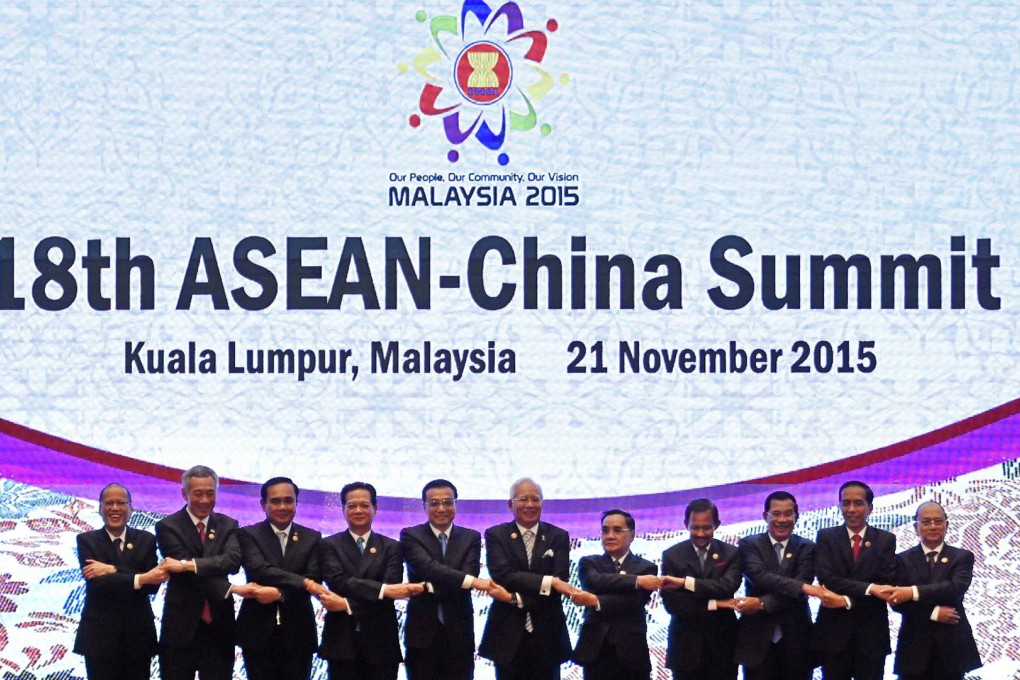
{"x":357,"y":575}
{"x":858,"y":573}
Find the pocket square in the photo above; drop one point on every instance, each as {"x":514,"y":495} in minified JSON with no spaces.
{"x":548,"y":553}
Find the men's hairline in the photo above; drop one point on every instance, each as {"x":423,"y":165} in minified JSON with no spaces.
{"x":525,"y":480}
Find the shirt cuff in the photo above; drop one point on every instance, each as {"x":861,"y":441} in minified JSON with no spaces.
{"x":689,"y":583}
{"x":867,"y":591}
{"x":469,"y":581}
{"x":934,"y":614}
{"x":520,"y":601}
{"x":138,"y":586}
{"x":917,"y":595}
{"x":546,"y":588}
{"x":429,"y":588}
{"x":848,"y":603}
{"x":382,"y":591}
{"x":598,"y":605}
{"x":713,"y":605}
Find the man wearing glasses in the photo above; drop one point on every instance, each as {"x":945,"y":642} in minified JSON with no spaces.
{"x":854,"y":560}
{"x":439,"y":632}
{"x":613,"y":642}
{"x":935,"y":640}
{"x":117,"y":635}
{"x":700,"y":576}
{"x":526,"y":632}
{"x":365,"y":568}
{"x":775,"y":622}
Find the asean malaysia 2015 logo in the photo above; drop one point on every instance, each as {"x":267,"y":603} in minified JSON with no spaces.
{"x":483,"y":75}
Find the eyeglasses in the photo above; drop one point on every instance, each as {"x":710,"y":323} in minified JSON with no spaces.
{"x":358,"y":506}
{"x":115,"y":504}
{"x":614,"y":530}
{"x":535,"y":500}
{"x":441,"y":502}
{"x":931,"y":522}
{"x":786,"y":514}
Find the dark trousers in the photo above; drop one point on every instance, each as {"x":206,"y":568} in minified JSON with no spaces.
{"x":438,"y":662}
{"x":607,"y":666}
{"x":706,"y":670}
{"x":782,"y":662}
{"x":357,"y":669}
{"x":528,"y":664}
{"x":275,"y":661}
{"x":848,"y":664}
{"x":209,"y":655}
{"x":117,"y":668}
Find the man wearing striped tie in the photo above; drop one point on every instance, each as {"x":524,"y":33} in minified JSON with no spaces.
{"x":439,"y":632}
{"x":526,"y":632}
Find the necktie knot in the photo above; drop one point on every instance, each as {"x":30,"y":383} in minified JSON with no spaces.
{"x":618,"y":564}
{"x":201,"y":531}
{"x":118,"y":544}
{"x":282,"y":536}
{"x":361,"y":544}
{"x":932,"y":556}
{"x":856,"y":539}
{"x":442,"y":543}
{"x":702,"y":556}
{"x":779,"y":552}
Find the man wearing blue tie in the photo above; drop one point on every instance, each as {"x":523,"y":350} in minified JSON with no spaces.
{"x":439,"y":631}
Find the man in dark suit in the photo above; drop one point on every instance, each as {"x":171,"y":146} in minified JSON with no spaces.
{"x":613,"y":643}
{"x":276,"y":627}
{"x":117,"y":635}
{"x":439,"y":632}
{"x":775,"y":622}
{"x":853,"y":560}
{"x":200,"y":549}
{"x":365,"y":568}
{"x":936,"y":641}
{"x":526,"y":632}
{"x":700,"y":576}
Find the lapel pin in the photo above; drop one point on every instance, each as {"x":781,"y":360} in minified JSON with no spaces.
{"x":211,"y":536}
{"x":623,"y":571}
{"x":715,"y":556}
{"x":294,"y":537}
{"x":372,"y":550}
{"x":130,"y":546}
{"x":944,"y":560}
{"x":542,"y":537}
{"x":867,"y":544}
{"x":514,"y":535}
{"x":789,"y":555}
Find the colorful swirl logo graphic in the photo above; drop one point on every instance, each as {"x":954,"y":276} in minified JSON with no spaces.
{"x":483,"y":75}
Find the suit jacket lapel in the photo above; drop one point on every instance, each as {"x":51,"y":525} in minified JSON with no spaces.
{"x":270,"y":543}
{"x":189,"y":533}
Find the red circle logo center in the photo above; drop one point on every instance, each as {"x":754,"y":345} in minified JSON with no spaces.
{"x":483,"y":73}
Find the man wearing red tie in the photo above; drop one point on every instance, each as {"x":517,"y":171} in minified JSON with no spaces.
{"x":853,"y":561}
{"x":117,"y":635}
{"x":200,"y":549}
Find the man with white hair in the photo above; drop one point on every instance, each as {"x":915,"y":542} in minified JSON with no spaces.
{"x":526,"y":632}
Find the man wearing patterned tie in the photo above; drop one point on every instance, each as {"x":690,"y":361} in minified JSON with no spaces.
{"x":613,"y":641}
{"x":276,"y":627}
{"x":439,"y":632}
{"x":853,"y":560}
{"x":526,"y":631}
{"x":117,"y":635}
{"x":200,"y":549}
{"x":364,"y":567}
{"x":936,"y":640}
{"x":775,"y":622}
{"x":700,"y":576}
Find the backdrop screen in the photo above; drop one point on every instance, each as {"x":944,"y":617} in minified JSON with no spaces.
{"x":642,"y":252}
